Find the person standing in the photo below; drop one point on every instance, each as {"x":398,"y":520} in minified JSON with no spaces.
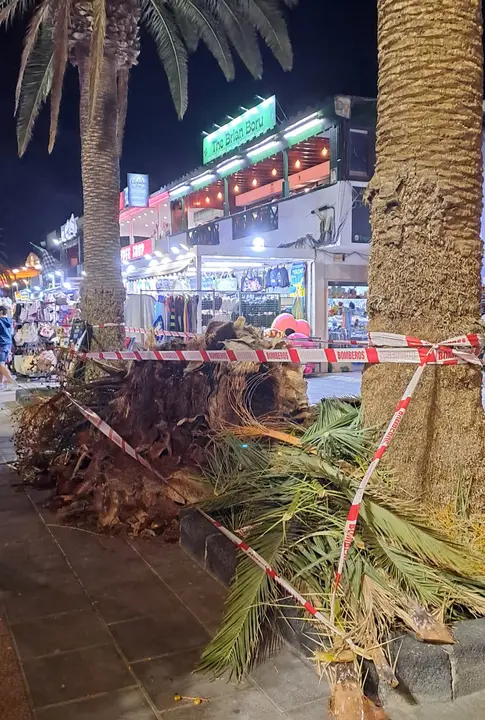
{"x":6,"y":330}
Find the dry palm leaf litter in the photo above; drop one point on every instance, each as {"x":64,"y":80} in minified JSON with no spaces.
{"x":240,"y":440}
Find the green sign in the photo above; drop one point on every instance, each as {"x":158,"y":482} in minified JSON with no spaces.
{"x":241,"y":130}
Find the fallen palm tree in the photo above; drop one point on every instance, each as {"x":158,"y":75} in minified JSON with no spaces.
{"x":290,"y":491}
{"x":168,"y":412}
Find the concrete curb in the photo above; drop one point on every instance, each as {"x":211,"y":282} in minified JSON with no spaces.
{"x":426,"y":673}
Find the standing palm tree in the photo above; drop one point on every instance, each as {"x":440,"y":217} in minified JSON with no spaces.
{"x":426,"y":201}
{"x":101,"y":39}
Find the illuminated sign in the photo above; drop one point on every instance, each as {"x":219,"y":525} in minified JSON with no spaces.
{"x":137,"y":250}
{"x":241,"y":130}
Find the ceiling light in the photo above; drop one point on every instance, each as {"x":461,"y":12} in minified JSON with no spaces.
{"x":274,"y":172}
{"x":303,"y":121}
{"x":202,"y":180}
{"x":15,"y":270}
{"x":325,"y":151}
{"x":158,"y":253}
{"x":301,"y":129}
{"x":175,"y":249}
{"x":236,"y":188}
{"x":262,"y":149}
{"x":147,"y":256}
{"x":219,"y":195}
{"x":130,"y":269}
{"x":224,"y":167}
{"x":180,"y":190}
{"x":298,"y":164}
{"x":67,"y":285}
{"x":184,"y":247}
{"x":152,"y":263}
{"x":258,"y":244}
{"x":208,"y":200}
{"x":255,"y":182}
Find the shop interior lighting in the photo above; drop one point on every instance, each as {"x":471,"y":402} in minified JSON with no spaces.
{"x":236,"y":188}
{"x":67,"y":286}
{"x":202,"y":180}
{"x":255,"y":182}
{"x":274,"y":172}
{"x":59,"y":273}
{"x":258,"y":244}
{"x":219,"y":195}
{"x":51,"y":275}
{"x":184,"y":247}
{"x":229,"y":165}
{"x":262,"y":149}
{"x":15,"y":271}
{"x":325,"y":151}
{"x":181,"y":190}
{"x":37,"y":287}
{"x":147,"y":256}
{"x":152,"y":263}
{"x":301,"y":129}
{"x":158,"y":253}
{"x":165,"y":260}
{"x":175,"y":249}
{"x":130,"y":269}
{"x":83,"y":273}
{"x":208,"y":200}
{"x":298,"y":164}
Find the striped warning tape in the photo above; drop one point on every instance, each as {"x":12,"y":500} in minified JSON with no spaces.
{"x":112,"y":435}
{"x":386,"y":440}
{"x":440,"y":355}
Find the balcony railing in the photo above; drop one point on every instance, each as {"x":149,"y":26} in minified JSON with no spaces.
{"x":257,"y":220}
{"x":207,"y":234}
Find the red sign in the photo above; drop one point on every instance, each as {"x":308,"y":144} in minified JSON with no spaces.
{"x":136,"y":251}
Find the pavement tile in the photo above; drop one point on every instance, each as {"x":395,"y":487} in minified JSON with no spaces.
{"x":289,"y":681}
{"x":248,"y":704}
{"x":130,"y":600}
{"x":172,"y":675}
{"x":312,"y":711}
{"x":167,"y":633}
{"x":75,"y":675}
{"x":59,"y":633}
{"x":37,"y":603}
{"x":120,"y":705}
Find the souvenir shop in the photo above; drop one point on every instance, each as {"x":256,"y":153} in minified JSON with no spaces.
{"x":40,"y":325}
{"x":221,"y":289}
{"x":347,"y":312}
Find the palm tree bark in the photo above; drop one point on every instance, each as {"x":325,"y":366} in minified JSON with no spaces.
{"x":103,"y":292}
{"x":426,"y":200}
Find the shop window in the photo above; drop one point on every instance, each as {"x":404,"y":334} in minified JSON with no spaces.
{"x":360,"y":154}
{"x":124,"y":240}
{"x":207,"y":234}
{"x":258,"y":220}
{"x":361,"y":229}
{"x":347,"y":312}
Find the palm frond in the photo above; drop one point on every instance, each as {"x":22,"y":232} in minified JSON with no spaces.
{"x":60,"y":38}
{"x":29,"y":44}
{"x":337,"y":432}
{"x":96,"y":54}
{"x":240,"y":32}
{"x":36,"y":85}
{"x":10,"y":8}
{"x":267,"y":18}
{"x":196,"y":20}
{"x":162,"y":27}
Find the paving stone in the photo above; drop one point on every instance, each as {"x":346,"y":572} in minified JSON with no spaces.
{"x":468,"y":657}
{"x":312,"y":711}
{"x":20,"y":570}
{"x":206,"y":598}
{"x":29,"y":605}
{"x":289,"y":681}
{"x":100,"y":575}
{"x":423,"y":671}
{"x":172,"y":675}
{"x":470,"y":707}
{"x":131,"y":600}
{"x":120,"y":705}
{"x":75,"y":675}
{"x":248,"y":704}
{"x":170,"y":562}
{"x":59,"y":633}
{"x":151,"y":636}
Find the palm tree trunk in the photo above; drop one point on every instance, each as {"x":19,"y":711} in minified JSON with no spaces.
{"x":426,"y":200}
{"x":103,"y":292}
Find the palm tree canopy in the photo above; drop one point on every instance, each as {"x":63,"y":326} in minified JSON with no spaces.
{"x":87,"y":31}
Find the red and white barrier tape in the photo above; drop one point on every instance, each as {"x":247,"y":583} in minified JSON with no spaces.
{"x":112,"y":435}
{"x":441,"y":355}
{"x":389,"y":434}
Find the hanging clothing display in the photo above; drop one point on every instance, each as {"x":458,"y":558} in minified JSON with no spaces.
{"x":177,"y":312}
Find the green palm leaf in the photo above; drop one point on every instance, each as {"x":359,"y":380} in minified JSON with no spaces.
{"x":204,"y":24}
{"x":266,"y":17}
{"x":60,"y":42}
{"x":162,"y":27}
{"x":240,"y":33}
{"x":10,"y":8}
{"x":35,"y":88}
{"x":29,"y":44}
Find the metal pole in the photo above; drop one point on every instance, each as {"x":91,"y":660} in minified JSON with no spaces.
{"x":286,"y":181}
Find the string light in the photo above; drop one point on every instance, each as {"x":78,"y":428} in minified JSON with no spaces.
{"x":274,"y":172}
{"x":219,"y":195}
{"x":298,"y":164}
{"x":207,"y":200}
{"x":236,"y":188}
{"x":325,"y":151}
{"x":255,"y":182}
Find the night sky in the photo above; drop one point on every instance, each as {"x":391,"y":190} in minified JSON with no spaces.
{"x":335,"y":52}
